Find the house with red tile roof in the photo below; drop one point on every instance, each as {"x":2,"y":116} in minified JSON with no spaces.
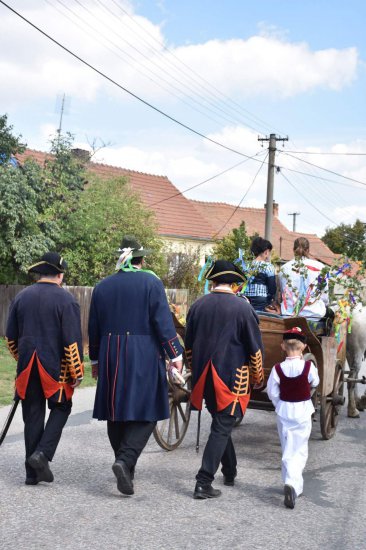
{"x":189,"y":225}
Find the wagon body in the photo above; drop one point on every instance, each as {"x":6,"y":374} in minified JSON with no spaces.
{"x":327,"y":352}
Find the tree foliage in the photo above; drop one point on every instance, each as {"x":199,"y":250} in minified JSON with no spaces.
{"x":227,"y":247}
{"x":182,"y":272}
{"x":55,"y":207}
{"x":9,"y":144}
{"x":108,"y":210}
{"x":349,"y":240}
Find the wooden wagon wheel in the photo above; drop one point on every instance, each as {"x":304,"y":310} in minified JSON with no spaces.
{"x":330,"y":405}
{"x":170,"y":433}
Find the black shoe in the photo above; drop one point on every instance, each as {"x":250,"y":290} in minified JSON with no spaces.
{"x":31,"y":481}
{"x":123,"y":475}
{"x":132,"y":471}
{"x":290,"y":496}
{"x":39,"y":463}
{"x":205,"y":491}
{"x":229,"y":480}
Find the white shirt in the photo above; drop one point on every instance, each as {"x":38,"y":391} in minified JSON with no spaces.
{"x":314,"y":309}
{"x":301,"y":410}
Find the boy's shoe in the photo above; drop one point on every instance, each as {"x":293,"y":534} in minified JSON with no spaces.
{"x":290,"y":496}
{"x":205,"y":491}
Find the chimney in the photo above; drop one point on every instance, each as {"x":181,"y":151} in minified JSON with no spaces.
{"x":81,"y":154}
{"x":275,"y":208}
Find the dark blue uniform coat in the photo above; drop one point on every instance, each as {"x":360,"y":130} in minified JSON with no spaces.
{"x":224,"y":347}
{"x":44,"y":329}
{"x":130,"y":330}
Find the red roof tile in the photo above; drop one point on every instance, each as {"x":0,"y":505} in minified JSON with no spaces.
{"x":254,"y":218}
{"x":184,"y":218}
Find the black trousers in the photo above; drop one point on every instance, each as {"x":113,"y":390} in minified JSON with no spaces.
{"x":128,"y":439}
{"x":37,"y":435}
{"x":219,"y":449}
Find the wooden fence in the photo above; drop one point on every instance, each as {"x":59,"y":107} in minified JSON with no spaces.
{"x":178,"y":300}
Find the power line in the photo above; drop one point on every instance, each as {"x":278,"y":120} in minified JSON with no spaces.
{"x":158,"y":81}
{"x":151,"y":62}
{"x":322,"y":168}
{"x":325,"y":153}
{"x":241,"y":200}
{"x":87,"y":64}
{"x":209,"y":88}
{"x":307,"y":200}
{"x":205,"y":181}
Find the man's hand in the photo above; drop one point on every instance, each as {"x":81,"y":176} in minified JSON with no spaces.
{"x":76,"y":383}
{"x":95,"y":370}
{"x":178,"y":365}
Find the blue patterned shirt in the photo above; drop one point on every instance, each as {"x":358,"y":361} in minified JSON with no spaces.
{"x":263,"y":282}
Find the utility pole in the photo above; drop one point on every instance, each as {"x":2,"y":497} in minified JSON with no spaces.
{"x":270,"y":180}
{"x":294,"y":214}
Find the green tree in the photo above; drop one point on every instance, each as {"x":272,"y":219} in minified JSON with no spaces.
{"x":24,"y":236}
{"x":227,"y":247}
{"x":182,"y":272}
{"x":9,"y":144}
{"x":349,"y":240}
{"x":35,"y":203}
{"x":108,"y":210}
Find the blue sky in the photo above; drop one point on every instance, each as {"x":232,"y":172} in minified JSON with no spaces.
{"x":232,"y":70}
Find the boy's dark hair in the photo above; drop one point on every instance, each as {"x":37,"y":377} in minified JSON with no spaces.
{"x":259,"y":246}
{"x":136,"y":261}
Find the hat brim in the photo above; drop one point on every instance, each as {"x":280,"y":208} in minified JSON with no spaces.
{"x":226,"y":277}
{"x":45,"y":268}
{"x":141,"y":253}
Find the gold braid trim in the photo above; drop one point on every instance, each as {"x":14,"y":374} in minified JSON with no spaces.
{"x":64,"y":373}
{"x":73,"y":361}
{"x":256,"y":363}
{"x":241,"y":384}
{"x":12,"y":347}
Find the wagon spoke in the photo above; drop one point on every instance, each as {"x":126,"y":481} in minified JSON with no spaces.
{"x":182,"y":413}
{"x":176,"y":423}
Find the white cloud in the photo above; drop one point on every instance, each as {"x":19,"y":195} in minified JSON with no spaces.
{"x":110,"y":40}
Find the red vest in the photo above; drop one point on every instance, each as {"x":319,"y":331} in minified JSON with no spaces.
{"x":297,"y":388}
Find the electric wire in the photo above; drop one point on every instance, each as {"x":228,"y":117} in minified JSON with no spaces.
{"x":132,"y":94}
{"x":185,"y":85}
{"x":241,"y":200}
{"x":325,"y":169}
{"x":210,"y":88}
{"x":158,"y":81}
{"x":205,"y":181}
{"x":325,"y":153}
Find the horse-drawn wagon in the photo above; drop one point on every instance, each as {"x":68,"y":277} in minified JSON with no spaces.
{"x":325,"y":348}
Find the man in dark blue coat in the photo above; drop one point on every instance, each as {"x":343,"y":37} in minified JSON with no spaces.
{"x":44,"y":336}
{"x":130,"y":332}
{"x":224,"y":348}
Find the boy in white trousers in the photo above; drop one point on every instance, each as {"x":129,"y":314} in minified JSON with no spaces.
{"x":289,"y":388}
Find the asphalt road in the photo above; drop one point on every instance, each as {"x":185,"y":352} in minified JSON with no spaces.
{"x":82,"y":509}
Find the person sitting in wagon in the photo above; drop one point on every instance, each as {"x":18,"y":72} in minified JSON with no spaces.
{"x":303,"y":285}
{"x":289,"y":388}
{"x":261,"y":288}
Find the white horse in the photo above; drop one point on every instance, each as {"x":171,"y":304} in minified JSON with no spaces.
{"x":356,"y":353}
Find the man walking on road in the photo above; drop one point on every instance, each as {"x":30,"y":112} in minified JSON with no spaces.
{"x":44,"y":336}
{"x":223,"y":346}
{"x":130,"y":331}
